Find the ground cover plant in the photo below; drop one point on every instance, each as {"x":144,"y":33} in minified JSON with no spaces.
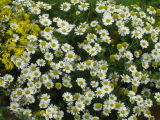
{"x":79,"y":59}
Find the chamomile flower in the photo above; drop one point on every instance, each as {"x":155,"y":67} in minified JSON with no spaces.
{"x":91,"y":37}
{"x":101,"y":74}
{"x":8,"y":78}
{"x":144,"y":44}
{"x":151,"y":10}
{"x":157,"y":96}
{"x":79,"y":31}
{"x":48,"y":84}
{"x":97,"y":106}
{"x":41,"y":62}
{"x":83,"y":6}
{"x":123,"y":31}
{"x":126,"y":78}
{"x":35,"y":10}
{"x":137,"y":110}
{"x":123,"y":112}
{"x":100,"y":92}
{"x":55,"y":73}
{"x":27,"y":112}
{"x":94,"y":23}
{"x":146,"y":92}
{"x":94,"y":84}
{"x":80,"y":105}
{"x":103,"y":33}
{"x":107,"y":89}
{"x":70,"y":56}
{"x":81,"y":67}
{"x":14,"y":25}
{"x":67,"y":97}
{"x":45,"y":98}
{"x":81,"y":82}
{"x":129,"y":55}
{"x":54,"y":45}
{"x":28,"y":91}
{"x":2,"y":83}
{"x":48,"y":56}
{"x":68,"y":68}
{"x":43,"y":105}
{"x":107,"y":19}
{"x":65,"y":6}
{"x":75,"y":1}
{"x":46,"y":22}
{"x":157,"y":46}
{"x":15,"y":38}
{"x":63,"y":30}
{"x":14,"y":106}
{"x":148,"y":102}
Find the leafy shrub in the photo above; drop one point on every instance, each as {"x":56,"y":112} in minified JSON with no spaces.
{"x":89,"y":60}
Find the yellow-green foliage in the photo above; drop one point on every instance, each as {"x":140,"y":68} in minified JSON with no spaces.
{"x":22,"y":19}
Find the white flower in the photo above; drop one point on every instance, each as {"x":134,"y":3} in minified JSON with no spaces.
{"x":148,"y":102}
{"x":123,"y":31}
{"x":79,"y":31}
{"x":107,"y":89}
{"x":35,"y":10}
{"x":94,"y":23}
{"x":129,"y":55}
{"x":45,"y":22}
{"x":123,"y":112}
{"x":48,"y":84}
{"x":101,"y":74}
{"x":54,"y":45}
{"x":157,"y":46}
{"x":126,"y":78}
{"x":45,"y":98}
{"x":63,"y":30}
{"x":91,"y":37}
{"x":66,"y":47}
{"x":41,"y":62}
{"x":28,"y":91}
{"x":32,"y":38}
{"x":14,"y":106}
{"x":103,"y":33}
{"x":157,"y":96}
{"x":70,"y":56}
{"x":55,"y":73}
{"x":67,"y":97}
{"x":90,"y":95}
{"x":75,"y":1}
{"x":81,"y":82}
{"x":151,"y":10}
{"x":144,"y":43}
{"x":94,"y":84}
{"x":107,"y":19}
{"x":68,"y":68}
{"x":97,"y":106}
{"x":43,"y":105}
{"x":79,"y":105}
{"x":48,"y":56}
{"x":100,"y":92}
{"x":2,"y":83}
{"x":65,"y":6}
{"x":155,"y":54}
{"x":15,"y":38}
{"x":81,"y":67}
{"x":83,"y":6}
{"x":100,"y":8}
{"x":14,"y":25}
{"x":8,"y":78}
{"x":27,"y":112}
